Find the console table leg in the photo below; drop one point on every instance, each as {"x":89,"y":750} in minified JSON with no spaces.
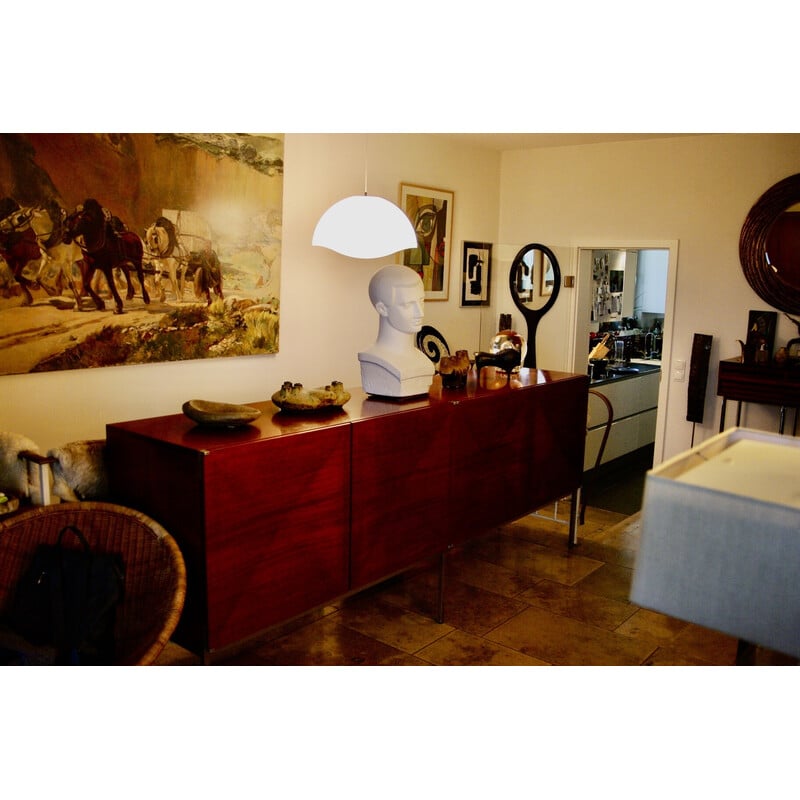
{"x":440,"y":598}
{"x":573,"y":518}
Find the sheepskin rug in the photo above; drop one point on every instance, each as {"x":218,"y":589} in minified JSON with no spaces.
{"x":13,"y":470}
{"x":79,"y":471}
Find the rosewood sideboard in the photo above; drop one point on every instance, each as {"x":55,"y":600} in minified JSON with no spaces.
{"x":292,"y":511}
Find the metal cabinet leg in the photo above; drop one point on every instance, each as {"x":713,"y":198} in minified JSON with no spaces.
{"x":440,"y":598}
{"x":573,"y":518}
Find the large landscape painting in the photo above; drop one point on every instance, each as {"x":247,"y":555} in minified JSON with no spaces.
{"x":136,"y":248}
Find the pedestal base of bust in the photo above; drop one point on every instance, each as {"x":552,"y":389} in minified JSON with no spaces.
{"x":380,"y":378}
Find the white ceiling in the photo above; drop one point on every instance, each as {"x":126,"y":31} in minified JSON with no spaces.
{"x":524,"y":141}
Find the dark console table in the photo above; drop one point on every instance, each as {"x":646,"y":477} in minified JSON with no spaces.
{"x":293,"y":511}
{"x":768,"y":384}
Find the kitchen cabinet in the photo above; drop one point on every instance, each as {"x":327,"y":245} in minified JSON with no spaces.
{"x":634,"y":399}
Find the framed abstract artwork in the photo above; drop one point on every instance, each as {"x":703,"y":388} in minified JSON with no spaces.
{"x":431,"y":214}
{"x":137,"y":248}
{"x":476,"y":266}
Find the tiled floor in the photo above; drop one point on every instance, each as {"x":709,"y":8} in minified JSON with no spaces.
{"x":517,"y":596}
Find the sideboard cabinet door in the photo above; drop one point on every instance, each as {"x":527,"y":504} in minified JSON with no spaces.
{"x":400,"y":491}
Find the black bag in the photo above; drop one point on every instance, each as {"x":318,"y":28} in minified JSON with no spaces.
{"x":68,"y":598}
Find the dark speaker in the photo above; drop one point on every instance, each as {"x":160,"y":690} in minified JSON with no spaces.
{"x":698,"y":376}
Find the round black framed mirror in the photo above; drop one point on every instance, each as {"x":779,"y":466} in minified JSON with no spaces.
{"x":769,"y":245}
{"x":534,"y":281}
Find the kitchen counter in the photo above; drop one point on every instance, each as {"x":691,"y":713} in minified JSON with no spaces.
{"x":636,"y":368}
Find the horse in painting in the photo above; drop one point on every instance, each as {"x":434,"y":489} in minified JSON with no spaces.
{"x":107,"y":245}
{"x":167,"y":255}
{"x":19,"y":246}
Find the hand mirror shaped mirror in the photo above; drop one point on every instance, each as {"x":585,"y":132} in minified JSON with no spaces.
{"x":534,"y":282}
{"x":769,"y":246}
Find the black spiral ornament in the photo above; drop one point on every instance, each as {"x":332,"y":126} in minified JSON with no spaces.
{"x":432,"y":343}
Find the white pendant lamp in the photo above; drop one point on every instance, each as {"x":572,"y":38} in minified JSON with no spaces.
{"x":363,"y":226}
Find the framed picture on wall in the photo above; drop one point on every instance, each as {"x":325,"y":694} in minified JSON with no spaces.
{"x":431,"y":214}
{"x":150,"y":236}
{"x":476,"y":266}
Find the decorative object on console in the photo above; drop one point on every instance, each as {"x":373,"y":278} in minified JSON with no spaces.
{"x":507,"y":361}
{"x":476,"y":272}
{"x":393,"y":366}
{"x":293,"y":397}
{"x":509,"y":340}
{"x":454,"y":370}
{"x":532,"y":267}
{"x":432,"y":343}
{"x":219,"y":415}
{"x":431,"y":213}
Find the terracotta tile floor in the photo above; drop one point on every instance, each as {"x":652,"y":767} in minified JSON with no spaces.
{"x":516,"y":596}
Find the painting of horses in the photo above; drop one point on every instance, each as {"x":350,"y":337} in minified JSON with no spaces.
{"x":138,"y":248}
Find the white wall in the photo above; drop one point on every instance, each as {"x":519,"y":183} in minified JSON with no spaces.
{"x":326,"y":316}
{"x":696,"y":190}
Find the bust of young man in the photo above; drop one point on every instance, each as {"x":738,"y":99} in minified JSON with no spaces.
{"x":393,"y":366}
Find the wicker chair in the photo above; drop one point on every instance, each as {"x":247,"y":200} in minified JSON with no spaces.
{"x":155,"y":574}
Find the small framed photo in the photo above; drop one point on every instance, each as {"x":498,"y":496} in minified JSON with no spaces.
{"x":761,"y":327}
{"x":476,"y":271}
{"x":431,"y":214}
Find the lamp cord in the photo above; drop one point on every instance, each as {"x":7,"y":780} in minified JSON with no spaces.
{"x":365,"y":165}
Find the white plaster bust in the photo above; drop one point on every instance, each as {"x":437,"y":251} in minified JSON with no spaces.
{"x":393,"y":366}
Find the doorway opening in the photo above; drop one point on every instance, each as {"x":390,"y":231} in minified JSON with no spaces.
{"x":627,"y":289}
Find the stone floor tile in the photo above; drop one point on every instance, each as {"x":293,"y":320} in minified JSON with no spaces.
{"x":570,"y":601}
{"x":711,"y":646}
{"x":463,"y":649}
{"x":528,"y":558}
{"x":651,"y":625}
{"x":323,"y":643}
{"x":568,"y":642}
{"x":390,"y":624}
{"x":487,"y":575}
{"x":610,"y":580}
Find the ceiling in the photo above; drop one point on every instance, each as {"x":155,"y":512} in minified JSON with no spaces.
{"x":524,"y":141}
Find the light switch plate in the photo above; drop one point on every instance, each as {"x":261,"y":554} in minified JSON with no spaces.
{"x":679,"y":369}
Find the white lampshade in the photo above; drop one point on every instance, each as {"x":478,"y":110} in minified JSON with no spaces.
{"x":364,"y":226}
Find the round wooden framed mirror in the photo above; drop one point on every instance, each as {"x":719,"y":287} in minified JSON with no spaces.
{"x":769,"y":246}
{"x":534,"y":281}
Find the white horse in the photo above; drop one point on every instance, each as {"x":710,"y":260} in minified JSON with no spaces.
{"x":167,"y":255}
{"x":62,"y":265}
